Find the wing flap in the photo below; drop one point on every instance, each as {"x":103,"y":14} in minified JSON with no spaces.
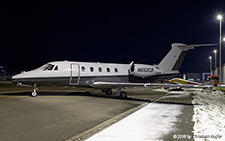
{"x":115,"y":84}
{"x":175,"y":85}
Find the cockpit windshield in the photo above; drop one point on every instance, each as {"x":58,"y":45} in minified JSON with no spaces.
{"x":48,"y":67}
{"x":43,"y":67}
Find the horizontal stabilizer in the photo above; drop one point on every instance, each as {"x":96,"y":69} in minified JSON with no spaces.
{"x":202,"y":45}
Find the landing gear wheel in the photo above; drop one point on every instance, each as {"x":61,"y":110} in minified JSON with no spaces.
{"x":108,"y":92}
{"x":123,"y":95}
{"x":34,"y":94}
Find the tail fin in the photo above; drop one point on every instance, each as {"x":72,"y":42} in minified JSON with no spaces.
{"x":174,"y":59}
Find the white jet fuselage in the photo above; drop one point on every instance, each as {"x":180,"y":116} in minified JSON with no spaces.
{"x":106,"y":76}
{"x":86,"y":73}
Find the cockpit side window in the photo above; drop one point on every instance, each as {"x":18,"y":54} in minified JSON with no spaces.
{"x":56,"y":68}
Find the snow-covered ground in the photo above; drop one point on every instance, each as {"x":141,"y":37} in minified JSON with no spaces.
{"x":152,"y":122}
{"x":159,"y":119}
{"x":209,"y":116}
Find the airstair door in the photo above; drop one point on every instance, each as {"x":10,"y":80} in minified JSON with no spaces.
{"x":75,"y":74}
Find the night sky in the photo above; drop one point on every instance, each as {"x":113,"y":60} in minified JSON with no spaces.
{"x":34,"y":33}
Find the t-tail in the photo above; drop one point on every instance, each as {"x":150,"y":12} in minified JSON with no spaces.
{"x":174,"y":59}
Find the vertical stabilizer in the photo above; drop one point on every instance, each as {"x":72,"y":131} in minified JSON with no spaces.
{"x":174,"y":59}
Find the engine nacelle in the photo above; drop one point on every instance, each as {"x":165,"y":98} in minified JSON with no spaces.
{"x":140,"y":70}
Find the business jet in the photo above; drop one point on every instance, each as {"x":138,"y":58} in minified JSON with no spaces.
{"x":107,"y":76}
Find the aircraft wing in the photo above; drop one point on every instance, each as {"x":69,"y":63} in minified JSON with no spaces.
{"x":116,"y":85}
{"x":175,"y":85}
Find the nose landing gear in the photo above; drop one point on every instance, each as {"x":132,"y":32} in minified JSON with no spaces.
{"x":34,"y":93}
{"x":35,"y":87}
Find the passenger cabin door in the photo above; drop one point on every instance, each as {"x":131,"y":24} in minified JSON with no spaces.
{"x":74,"y":74}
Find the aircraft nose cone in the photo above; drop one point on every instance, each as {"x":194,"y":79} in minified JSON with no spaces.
{"x":15,"y":78}
{"x":23,"y":77}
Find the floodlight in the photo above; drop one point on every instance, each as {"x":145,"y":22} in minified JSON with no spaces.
{"x":219,"y":17}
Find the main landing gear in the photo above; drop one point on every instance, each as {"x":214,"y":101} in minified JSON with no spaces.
{"x":121,"y":94}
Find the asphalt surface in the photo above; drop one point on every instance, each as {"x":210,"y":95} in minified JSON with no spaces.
{"x":55,"y":117}
{"x":58,"y":114}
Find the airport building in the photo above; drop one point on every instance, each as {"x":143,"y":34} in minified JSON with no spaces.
{"x":216,"y":72}
{"x":196,"y":77}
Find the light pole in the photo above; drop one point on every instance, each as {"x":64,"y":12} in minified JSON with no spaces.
{"x":215,"y":51}
{"x":219,"y":17}
{"x":210,"y":64}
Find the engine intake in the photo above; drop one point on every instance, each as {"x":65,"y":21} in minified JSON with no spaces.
{"x":140,"y":70}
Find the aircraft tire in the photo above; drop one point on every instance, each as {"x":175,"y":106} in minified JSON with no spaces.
{"x":123,"y":95}
{"x":34,"y":94}
{"x":108,"y":92}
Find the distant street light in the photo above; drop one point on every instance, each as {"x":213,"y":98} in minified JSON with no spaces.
{"x":219,"y":17}
{"x":215,"y":51}
{"x":210,"y":64}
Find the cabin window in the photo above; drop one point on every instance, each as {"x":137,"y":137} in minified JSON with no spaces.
{"x":108,"y":69}
{"x":83,"y":68}
{"x":116,"y":70}
{"x":100,"y":69}
{"x":91,"y":69}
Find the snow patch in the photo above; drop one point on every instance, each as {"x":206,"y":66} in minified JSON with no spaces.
{"x":209,"y":115}
{"x":149,"y":123}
